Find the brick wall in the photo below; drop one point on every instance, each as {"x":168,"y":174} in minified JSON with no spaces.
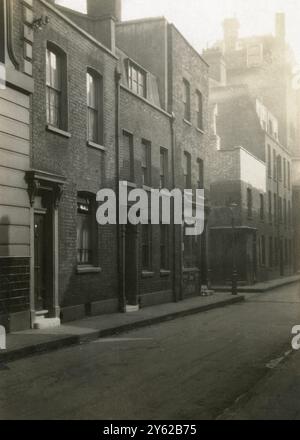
{"x":86,"y":169}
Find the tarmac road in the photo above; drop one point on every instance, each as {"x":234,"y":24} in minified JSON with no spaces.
{"x":196,"y":367}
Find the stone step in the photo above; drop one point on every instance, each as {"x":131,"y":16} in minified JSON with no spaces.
{"x":132,"y":309}
{"x":45,"y":323}
{"x":39,"y":313}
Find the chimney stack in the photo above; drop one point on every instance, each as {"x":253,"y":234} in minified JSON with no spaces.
{"x":231,"y":28}
{"x":104,"y":15}
{"x":104,"y":9}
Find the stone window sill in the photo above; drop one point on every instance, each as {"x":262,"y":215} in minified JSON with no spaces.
{"x":191,"y":269}
{"x":88,"y":269}
{"x":165,"y":273}
{"x":58,"y":131}
{"x":200,"y":130}
{"x":147,"y":274}
{"x":96,"y":146}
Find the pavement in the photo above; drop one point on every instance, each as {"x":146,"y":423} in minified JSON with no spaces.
{"x":263,"y":286}
{"x":228,"y":362}
{"x":30,"y":342}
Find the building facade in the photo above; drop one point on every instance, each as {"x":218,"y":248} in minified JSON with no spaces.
{"x":16,"y":87}
{"x":253,"y":109}
{"x":106,"y":108}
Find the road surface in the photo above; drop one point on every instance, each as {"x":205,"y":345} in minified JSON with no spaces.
{"x":197,"y":367}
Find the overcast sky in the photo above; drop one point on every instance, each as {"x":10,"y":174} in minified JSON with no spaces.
{"x":200,"y":20}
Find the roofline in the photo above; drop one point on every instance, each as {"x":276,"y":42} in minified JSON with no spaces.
{"x":239,"y":148}
{"x":189,"y":44}
{"x":141,"y":20}
{"x":77,"y":28}
{"x":157,"y":19}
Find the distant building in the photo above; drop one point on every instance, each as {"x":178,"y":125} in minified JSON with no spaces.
{"x":253,"y":143}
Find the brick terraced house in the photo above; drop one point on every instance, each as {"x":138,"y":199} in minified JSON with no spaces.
{"x":88,"y":103}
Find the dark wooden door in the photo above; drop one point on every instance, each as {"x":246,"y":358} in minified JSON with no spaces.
{"x":39,"y":260}
{"x":131,"y":277}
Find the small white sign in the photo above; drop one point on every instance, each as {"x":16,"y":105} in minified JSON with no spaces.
{"x":2,"y":76}
{"x":2,"y":338}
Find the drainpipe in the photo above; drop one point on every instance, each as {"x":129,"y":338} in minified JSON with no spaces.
{"x":120,"y":229}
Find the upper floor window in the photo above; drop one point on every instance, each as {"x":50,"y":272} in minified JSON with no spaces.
{"x":127,"y":157}
{"x":137,"y":79}
{"x":254,"y":55}
{"x":284,"y":172}
{"x":279,"y":168}
{"x":85,"y":230}
{"x":262,"y":207}
{"x":270,"y":207}
{"x":200,"y":182}
{"x":269,"y":162}
{"x":56,"y":87}
{"x":163,"y":167}
{"x":274,"y":165}
{"x":94,"y":107}
{"x":187,"y":164}
{"x":270,"y":128}
{"x":275,"y":209}
{"x":187,"y":100}
{"x":199,"y":98}
{"x":146,"y":163}
{"x":249,"y":202}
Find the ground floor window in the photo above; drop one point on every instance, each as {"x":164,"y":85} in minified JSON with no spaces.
{"x":271,"y":252}
{"x":191,"y":249}
{"x":85,"y":230}
{"x":146,"y":247}
{"x":164,"y":247}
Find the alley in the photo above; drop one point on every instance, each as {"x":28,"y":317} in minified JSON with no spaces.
{"x":191,"y":368}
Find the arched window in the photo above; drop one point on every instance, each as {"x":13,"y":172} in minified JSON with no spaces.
{"x":94,"y":85}
{"x":56,"y":87}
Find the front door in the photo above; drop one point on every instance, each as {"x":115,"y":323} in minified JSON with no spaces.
{"x":130,"y":256}
{"x":42,"y":262}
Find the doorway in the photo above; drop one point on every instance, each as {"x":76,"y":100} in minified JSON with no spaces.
{"x":131,"y":265}
{"x":43,"y":258}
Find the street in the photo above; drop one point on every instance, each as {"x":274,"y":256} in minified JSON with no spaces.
{"x":198,"y":367}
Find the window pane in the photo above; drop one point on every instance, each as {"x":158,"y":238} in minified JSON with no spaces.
{"x":53,"y":71}
{"x":84,"y":232}
{"x":92,"y":125}
{"x":92,"y":92}
{"x":146,"y":247}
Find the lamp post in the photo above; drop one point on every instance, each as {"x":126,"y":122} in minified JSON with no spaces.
{"x":234,"y":288}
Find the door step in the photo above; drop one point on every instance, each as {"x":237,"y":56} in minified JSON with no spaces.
{"x":132,"y":309}
{"x":41,"y":323}
{"x":41,"y":313}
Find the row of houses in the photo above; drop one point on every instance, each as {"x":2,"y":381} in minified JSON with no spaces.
{"x":90,"y":101}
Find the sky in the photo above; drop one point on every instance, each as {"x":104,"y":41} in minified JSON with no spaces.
{"x":200,"y":20}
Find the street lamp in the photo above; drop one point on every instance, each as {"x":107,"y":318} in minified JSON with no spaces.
{"x":234,"y":288}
